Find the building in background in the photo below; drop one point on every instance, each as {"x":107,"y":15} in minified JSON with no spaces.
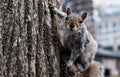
{"x":104,"y":23}
{"x":107,"y":23}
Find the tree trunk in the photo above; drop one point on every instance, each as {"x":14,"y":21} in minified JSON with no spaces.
{"x":29,"y":46}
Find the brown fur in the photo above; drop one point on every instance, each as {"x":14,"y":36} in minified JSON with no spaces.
{"x":73,"y":18}
{"x":68,"y":11}
{"x":92,"y":71}
{"x":84,"y":15}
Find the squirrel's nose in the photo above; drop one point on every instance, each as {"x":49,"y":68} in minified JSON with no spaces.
{"x":71,"y":25}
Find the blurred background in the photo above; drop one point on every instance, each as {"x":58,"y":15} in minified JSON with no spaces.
{"x":104,"y":24}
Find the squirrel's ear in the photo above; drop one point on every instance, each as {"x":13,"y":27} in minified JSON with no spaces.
{"x":68,"y":10}
{"x":84,"y":15}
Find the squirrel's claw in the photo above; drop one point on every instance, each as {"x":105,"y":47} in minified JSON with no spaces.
{"x":51,"y":5}
{"x":80,"y":68}
{"x":69,"y":64}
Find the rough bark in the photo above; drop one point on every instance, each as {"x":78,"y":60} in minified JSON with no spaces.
{"x":29,"y":46}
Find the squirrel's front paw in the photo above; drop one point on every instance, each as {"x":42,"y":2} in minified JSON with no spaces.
{"x":69,"y":63}
{"x":80,"y":68}
{"x":51,"y":5}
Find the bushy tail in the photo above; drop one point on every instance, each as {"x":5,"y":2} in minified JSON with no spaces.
{"x":96,"y":69}
{"x":101,"y":68}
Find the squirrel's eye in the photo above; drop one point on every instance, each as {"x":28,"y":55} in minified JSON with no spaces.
{"x":80,"y":21}
{"x":66,"y":18}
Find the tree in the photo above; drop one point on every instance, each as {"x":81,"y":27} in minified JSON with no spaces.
{"x":29,"y":45}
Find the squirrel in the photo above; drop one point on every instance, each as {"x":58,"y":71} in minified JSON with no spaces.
{"x":75,"y":37}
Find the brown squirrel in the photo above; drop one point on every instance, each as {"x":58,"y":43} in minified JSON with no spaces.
{"x":75,"y":37}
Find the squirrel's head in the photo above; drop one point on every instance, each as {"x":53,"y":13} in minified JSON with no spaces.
{"x":73,"y":21}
